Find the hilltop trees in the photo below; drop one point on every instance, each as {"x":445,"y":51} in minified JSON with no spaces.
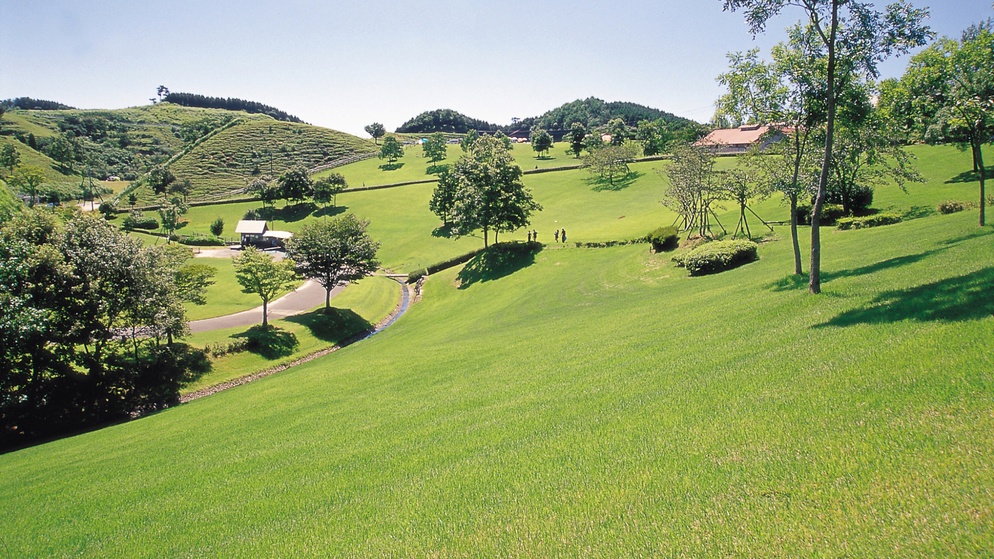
{"x":334,"y":252}
{"x":854,"y":39}
{"x":295,"y":184}
{"x":376,"y":130}
{"x":486,"y":192}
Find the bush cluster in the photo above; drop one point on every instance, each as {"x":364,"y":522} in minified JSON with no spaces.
{"x":202,"y":241}
{"x":830,"y":213}
{"x":664,"y":238}
{"x":445,"y":264}
{"x":138,"y":220}
{"x":718,"y":256}
{"x":220,"y":349}
{"x":951,"y":207}
{"x":885,"y":218}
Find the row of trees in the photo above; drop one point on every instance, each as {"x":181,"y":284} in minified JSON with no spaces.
{"x":88,"y":320}
{"x":295,"y":185}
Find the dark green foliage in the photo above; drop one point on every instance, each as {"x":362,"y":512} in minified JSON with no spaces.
{"x":217,"y":227}
{"x":107,"y":209}
{"x":444,"y":120}
{"x":28,"y":103}
{"x":230,"y":104}
{"x":593,"y":112}
{"x":830,"y":213}
{"x":199,"y":241}
{"x":875,"y":220}
{"x":718,"y":256}
{"x":270,"y":342}
{"x":391,"y":150}
{"x":497,"y":261}
{"x":951,"y":207}
{"x":137,"y":219}
{"x":664,"y":238}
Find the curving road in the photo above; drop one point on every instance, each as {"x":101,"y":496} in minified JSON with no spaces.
{"x":298,"y":301}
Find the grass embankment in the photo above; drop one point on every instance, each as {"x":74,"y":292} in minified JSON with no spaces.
{"x":589,"y":402}
{"x":355,"y":310}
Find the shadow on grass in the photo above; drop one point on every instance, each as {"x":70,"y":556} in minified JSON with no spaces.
{"x":970,"y":176}
{"x":794,"y":281}
{"x":600,"y":184}
{"x":498,"y":261}
{"x":444,"y":231}
{"x":950,"y":300}
{"x":329,"y":211}
{"x":288,"y":214}
{"x":270,"y":342}
{"x":334,"y":325}
{"x":391,"y":166}
{"x":436,"y":169}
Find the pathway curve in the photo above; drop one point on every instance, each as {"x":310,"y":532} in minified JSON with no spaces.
{"x":383,"y":324}
{"x":298,"y":301}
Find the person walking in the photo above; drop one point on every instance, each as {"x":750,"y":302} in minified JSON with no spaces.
{"x":563,"y":234}
{"x":556,"y":235}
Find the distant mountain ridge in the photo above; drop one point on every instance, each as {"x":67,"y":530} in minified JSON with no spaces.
{"x":591,"y":112}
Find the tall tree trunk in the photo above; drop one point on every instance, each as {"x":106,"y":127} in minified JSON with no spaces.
{"x":978,"y":157}
{"x":327,"y":297}
{"x":265,"y":313}
{"x":814,"y":281}
{"x":793,"y":235}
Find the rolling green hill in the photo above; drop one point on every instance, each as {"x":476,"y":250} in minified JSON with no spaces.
{"x":584,"y":402}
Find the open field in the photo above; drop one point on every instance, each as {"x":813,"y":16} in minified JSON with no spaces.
{"x":578,"y":402}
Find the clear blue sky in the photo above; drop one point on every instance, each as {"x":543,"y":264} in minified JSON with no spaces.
{"x":343,"y":64}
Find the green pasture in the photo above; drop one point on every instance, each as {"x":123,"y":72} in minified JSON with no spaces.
{"x":225,"y":296}
{"x":358,"y":308}
{"x":581,"y":402}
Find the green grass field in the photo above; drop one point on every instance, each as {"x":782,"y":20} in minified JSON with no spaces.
{"x":225,"y":296}
{"x":584,"y":402}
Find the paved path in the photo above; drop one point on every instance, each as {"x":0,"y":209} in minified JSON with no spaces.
{"x":300,"y":300}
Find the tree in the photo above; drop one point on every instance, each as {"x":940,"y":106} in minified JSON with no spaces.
{"x":258,"y":272}
{"x":575,"y":136}
{"x":618,"y":130}
{"x":694,"y":188}
{"x":265,"y":188}
{"x":489,"y":194}
{"x":183,"y":188}
{"x":960,"y":79}
{"x":217,"y":227}
{"x":327,"y":189}
{"x":9,"y":157}
{"x":468,"y":140}
{"x":159,"y":178}
{"x":593,"y":141}
{"x":653,"y":136}
{"x":295,"y":184}
{"x":435,"y":148}
{"x":855,"y":39}
{"x":26,"y":180}
{"x":391,"y":150}
{"x":376,"y":130}
{"x":66,"y":150}
{"x":541,"y":141}
{"x":334,"y":252}
{"x":444,"y":196}
{"x":170,"y":214}
{"x":611,"y":161}
{"x":162,"y":91}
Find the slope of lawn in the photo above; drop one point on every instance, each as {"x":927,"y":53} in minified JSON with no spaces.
{"x":585,"y":402}
{"x":225,"y":296}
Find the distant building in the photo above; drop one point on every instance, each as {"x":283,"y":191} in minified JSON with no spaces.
{"x":730,"y":141}
{"x":256,"y":233}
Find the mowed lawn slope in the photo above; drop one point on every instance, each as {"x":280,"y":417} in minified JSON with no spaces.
{"x":592,"y":402}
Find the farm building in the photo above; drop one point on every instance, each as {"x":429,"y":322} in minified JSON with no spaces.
{"x":256,"y":233}
{"x":741,"y":139}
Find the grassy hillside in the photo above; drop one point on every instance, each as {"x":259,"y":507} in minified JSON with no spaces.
{"x":583,"y":403}
{"x":227,"y":162}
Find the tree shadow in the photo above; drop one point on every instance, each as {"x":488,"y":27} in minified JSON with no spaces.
{"x":269,"y":342}
{"x":329,"y":211}
{"x":391,"y":166}
{"x":498,"y":261}
{"x":444,"y":231}
{"x":600,"y":184}
{"x":288,"y":214}
{"x":917,"y":212}
{"x":955,"y":299}
{"x":334,"y":325}
{"x":794,"y":281}
{"x":970,"y":176}
{"x":436,"y":169}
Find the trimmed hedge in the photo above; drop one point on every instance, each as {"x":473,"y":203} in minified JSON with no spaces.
{"x":138,"y":220}
{"x":830,"y":213}
{"x":445,"y":264}
{"x":718,"y":256}
{"x":951,"y":207}
{"x":887,"y":218}
{"x":664,"y":238}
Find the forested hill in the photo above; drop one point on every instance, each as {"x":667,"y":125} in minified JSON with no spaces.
{"x":591,"y":112}
{"x":33,"y":104}
{"x":229,"y":103}
{"x":444,"y":120}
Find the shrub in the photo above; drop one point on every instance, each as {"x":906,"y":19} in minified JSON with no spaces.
{"x":107,"y":209}
{"x":413,"y":277}
{"x":664,"y":238}
{"x":830,"y":213}
{"x":886,"y":218}
{"x":717,"y":256}
{"x":202,"y":241}
{"x":252,"y":215}
{"x":860,"y":199}
{"x":138,"y":220}
{"x":951,"y":207}
{"x":217,"y":227}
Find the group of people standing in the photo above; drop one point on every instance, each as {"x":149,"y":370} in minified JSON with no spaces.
{"x":559,"y":234}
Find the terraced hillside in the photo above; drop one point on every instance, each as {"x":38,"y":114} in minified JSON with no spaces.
{"x":225,"y":163}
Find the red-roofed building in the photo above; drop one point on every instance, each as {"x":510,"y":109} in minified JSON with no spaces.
{"x":741,"y":139}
